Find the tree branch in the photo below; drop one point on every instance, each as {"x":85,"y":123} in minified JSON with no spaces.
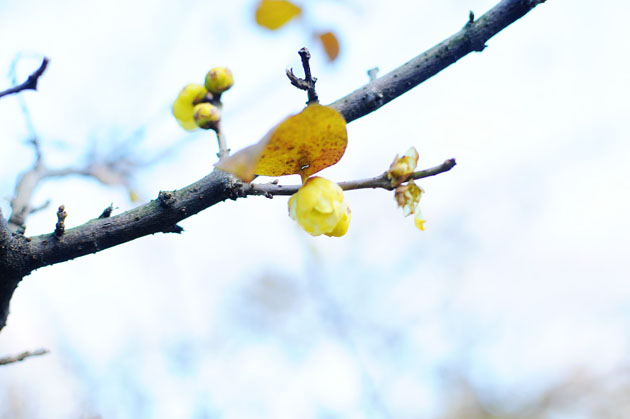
{"x":20,"y":255}
{"x":472,"y":37}
{"x":30,"y":83}
{"x":159,"y":215}
{"x":21,"y":357}
{"x":29,"y":181}
{"x":381,"y":181}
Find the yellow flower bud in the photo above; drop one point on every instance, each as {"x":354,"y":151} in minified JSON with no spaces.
{"x":318,"y":207}
{"x":219,"y":79}
{"x":206,"y":115}
{"x":183,"y":106}
{"x":402,"y":167}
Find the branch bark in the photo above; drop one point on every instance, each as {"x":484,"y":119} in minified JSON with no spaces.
{"x":20,"y":255}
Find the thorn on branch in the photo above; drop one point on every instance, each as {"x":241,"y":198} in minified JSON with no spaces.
{"x":30,"y":83}
{"x":107,"y":212}
{"x":60,"y":227}
{"x":308,"y":82}
{"x":373,"y":73}
{"x":21,"y":357}
{"x":174,"y":229}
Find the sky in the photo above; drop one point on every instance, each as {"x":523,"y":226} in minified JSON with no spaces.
{"x":520,"y":278}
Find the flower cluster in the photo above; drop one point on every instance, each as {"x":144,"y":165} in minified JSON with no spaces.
{"x":407,"y":195}
{"x":199,"y":106}
{"x":318,"y":206}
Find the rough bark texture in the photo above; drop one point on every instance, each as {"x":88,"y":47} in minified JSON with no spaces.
{"x":20,"y":255}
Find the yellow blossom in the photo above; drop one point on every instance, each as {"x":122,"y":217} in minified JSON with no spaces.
{"x":419,"y":219}
{"x":183,"y":107}
{"x":408,"y":196}
{"x":318,"y":207}
{"x":402,"y":167}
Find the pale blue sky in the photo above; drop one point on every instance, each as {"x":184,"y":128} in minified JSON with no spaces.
{"x":520,"y":277}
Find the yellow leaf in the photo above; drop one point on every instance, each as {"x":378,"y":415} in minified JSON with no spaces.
{"x":302,"y":144}
{"x":331,"y":45}
{"x":273,"y":14}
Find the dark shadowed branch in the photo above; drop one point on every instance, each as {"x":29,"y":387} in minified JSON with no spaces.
{"x":30,"y":83}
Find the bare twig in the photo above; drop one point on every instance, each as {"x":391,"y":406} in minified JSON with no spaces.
{"x":29,"y":181}
{"x":30,"y":83}
{"x":60,"y":227}
{"x":308,"y":82}
{"x":224,"y":151}
{"x":21,"y":357}
{"x":381,"y":181}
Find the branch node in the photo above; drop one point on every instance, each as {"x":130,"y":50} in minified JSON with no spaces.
{"x":166,"y":199}
{"x":107,"y":212}
{"x":60,"y":227}
{"x":373,"y":73}
{"x":308,"y":82}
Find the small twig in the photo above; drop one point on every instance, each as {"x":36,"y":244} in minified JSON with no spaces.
{"x":30,"y":83}
{"x":60,"y":227}
{"x":38,"y":150}
{"x":380,"y":181}
{"x":29,"y":181}
{"x":39,"y":208}
{"x":21,"y":357}
{"x":224,"y":151}
{"x":308,"y":82}
{"x":373,"y":73}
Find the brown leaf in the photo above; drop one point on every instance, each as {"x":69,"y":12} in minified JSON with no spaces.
{"x":302,"y":144}
{"x":331,"y":44}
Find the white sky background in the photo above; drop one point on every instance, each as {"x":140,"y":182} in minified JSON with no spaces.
{"x":521,"y":276}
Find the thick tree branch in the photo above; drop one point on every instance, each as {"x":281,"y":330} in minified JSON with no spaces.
{"x":472,"y":37}
{"x":30,"y":83}
{"x":159,"y":215}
